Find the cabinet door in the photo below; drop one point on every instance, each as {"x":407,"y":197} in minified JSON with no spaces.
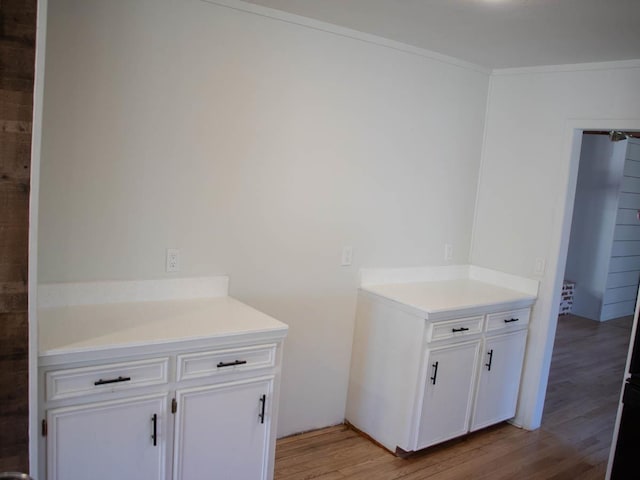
{"x":499,"y":379}
{"x":448,"y":390}
{"x":108,"y":440}
{"x":222,"y":431}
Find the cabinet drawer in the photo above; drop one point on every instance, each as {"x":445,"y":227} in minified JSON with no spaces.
{"x":104,"y":378}
{"x":508,"y":320}
{"x":204,"y":364}
{"x":459,"y":327}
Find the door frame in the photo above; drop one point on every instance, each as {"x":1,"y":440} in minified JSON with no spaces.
{"x":551,"y":286}
{"x":36,"y":143}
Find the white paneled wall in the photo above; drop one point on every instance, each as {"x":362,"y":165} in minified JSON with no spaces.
{"x":624,"y":269}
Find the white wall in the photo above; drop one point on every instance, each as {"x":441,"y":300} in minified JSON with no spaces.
{"x":527,"y":183}
{"x":258,"y":148}
{"x":593,"y":221}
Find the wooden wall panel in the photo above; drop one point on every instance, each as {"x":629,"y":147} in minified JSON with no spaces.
{"x":17,"y":59}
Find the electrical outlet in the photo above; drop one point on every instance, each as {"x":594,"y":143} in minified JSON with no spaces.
{"x":173,"y":260}
{"x":347,"y":256}
{"x":538,"y":267}
{"x":448,"y":251}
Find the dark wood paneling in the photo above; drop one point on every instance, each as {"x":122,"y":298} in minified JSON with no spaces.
{"x":17,"y":59}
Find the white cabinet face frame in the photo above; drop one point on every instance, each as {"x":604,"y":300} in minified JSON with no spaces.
{"x":71,"y":455}
{"x":225,"y":421}
{"x":62,"y":411}
{"x":447,"y":381}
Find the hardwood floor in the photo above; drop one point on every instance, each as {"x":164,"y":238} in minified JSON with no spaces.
{"x":573,"y":442}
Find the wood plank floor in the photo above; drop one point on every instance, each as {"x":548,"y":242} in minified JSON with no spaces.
{"x":573,"y":442}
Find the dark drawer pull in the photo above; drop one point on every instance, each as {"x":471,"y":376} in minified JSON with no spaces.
{"x":154,"y":434}
{"x":488,"y":365}
{"x":112,"y":380}
{"x":263,"y":402}
{"x":511,"y":320}
{"x":435,"y":373}
{"x":231,"y":364}
{"x":461,"y":329}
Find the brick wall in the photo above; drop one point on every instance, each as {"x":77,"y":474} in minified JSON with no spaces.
{"x":17,"y":57}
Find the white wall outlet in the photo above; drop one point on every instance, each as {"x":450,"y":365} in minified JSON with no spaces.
{"x":347,"y":256}
{"x":448,"y":251}
{"x":538,"y":266}
{"x":173,"y":260}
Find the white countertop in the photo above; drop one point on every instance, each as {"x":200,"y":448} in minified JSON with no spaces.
{"x":65,"y":330}
{"x":435,"y":298}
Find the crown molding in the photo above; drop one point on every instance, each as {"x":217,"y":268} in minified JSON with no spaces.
{"x":346,"y":32}
{"x":573,"y":67}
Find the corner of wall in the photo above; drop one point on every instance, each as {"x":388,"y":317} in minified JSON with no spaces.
{"x":471,"y":260}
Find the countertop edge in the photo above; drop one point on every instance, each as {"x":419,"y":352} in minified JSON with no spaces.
{"x":523,"y":301}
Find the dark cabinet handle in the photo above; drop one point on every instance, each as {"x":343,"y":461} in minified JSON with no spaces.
{"x":112,"y":380}
{"x":154,"y":435}
{"x":263,"y":402}
{"x":435,"y":373}
{"x":461,"y":329}
{"x":231,"y":364}
{"x":488,"y":365}
{"x":511,"y":320}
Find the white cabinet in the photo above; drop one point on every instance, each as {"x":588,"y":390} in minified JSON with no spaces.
{"x":181,"y":409}
{"x":107,"y":440}
{"x":448,"y":391}
{"x":499,"y":379}
{"x":222,"y":431}
{"x":420,"y":376}
{"x":212,"y":417}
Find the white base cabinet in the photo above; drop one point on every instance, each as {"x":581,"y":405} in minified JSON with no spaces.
{"x":165,"y":400}
{"x":210,"y":417}
{"x":421,"y":377}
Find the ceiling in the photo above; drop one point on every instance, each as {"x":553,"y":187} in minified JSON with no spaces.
{"x":491,"y":33}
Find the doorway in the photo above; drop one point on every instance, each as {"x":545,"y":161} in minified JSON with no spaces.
{"x":591,"y":343}
{"x":603,"y":259}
